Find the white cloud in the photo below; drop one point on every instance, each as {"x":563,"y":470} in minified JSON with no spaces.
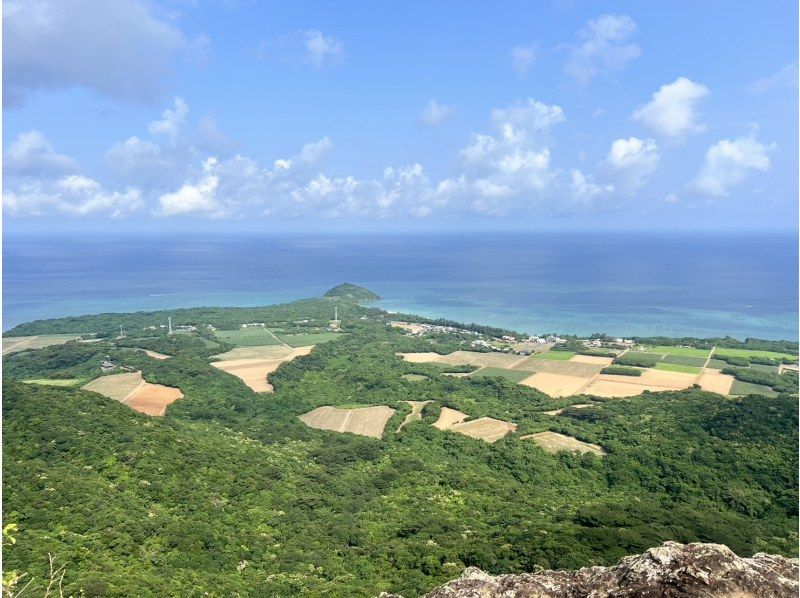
{"x":435,"y":114}
{"x":584,"y":188}
{"x":728,"y":162}
{"x":604,"y":47}
{"x":633,"y":153}
{"x":193,"y":198}
{"x":121,"y":49}
{"x":321,"y":49}
{"x":171,"y":120}
{"x":786,"y":77}
{"x":76,"y":195}
{"x":671,"y":112}
{"x":31,"y":153}
{"x":522,"y":59}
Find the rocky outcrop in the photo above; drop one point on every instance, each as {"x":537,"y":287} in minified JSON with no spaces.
{"x":671,"y":570}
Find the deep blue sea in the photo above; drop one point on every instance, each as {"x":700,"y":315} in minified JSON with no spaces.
{"x":622,"y":284}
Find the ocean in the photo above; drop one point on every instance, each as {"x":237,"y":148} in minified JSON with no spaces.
{"x":621,"y":284}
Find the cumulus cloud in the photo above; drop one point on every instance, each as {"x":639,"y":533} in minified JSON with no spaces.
{"x":435,"y":114}
{"x":727,"y":163}
{"x":314,"y":48}
{"x":198,"y":197}
{"x":522,"y":59}
{"x":31,"y":153}
{"x":604,"y":47}
{"x":636,"y":158}
{"x":171,"y":120}
{"x":76,"y":195}
{"x":671,"y":111}
{"x":121,"y":49}
{"x":584,"y":188}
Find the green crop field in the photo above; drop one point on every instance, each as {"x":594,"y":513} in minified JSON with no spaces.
{"x":684,"y":360}
{"x":303,"y":340}
{"x":247,"y":337}
{"x":754,"y":353}
{"x":65,"y":383}
{"x":667,"y":350}
{"x":747,"y":388}
{"x":555,"y":355}
{"x":676,"y":367}
{"x":772,"y":369}
{"x":510,"y":375}
{"x":717,"y":364}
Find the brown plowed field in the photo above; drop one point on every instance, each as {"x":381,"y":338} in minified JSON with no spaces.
{"x":716,"y":381}
{"x":553,"y":442}
{"x":254,"y":371}
{"x":117,"y":386}
{"x":152,"y":399}
{"x":366,"y":421}
{"x":485,"y":428}
{"x":449,"y":417}
{"x":555,"y":385}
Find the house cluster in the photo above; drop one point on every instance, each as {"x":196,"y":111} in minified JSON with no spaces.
{"x":597,"y":343}
{"x":107,"y":366}
{"x":254,"y":325}
{"x":544,"y":340}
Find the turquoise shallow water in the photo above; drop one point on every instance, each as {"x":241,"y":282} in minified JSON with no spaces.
{"x":622,"y":284}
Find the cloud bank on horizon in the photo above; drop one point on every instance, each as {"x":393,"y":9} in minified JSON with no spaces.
{"x":637,"y":146}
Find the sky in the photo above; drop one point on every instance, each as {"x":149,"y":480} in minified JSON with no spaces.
{"x":228,"y":115}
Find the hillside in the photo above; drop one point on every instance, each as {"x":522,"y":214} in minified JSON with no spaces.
{"x":231,"y":490}
{"x":351,"y":292}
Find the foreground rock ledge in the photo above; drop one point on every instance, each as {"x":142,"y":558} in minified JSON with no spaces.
{"x":672,"y":569}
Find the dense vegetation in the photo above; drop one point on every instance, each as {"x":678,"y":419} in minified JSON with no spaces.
{"x":352,"y":292}
{"x":621,"y":370}
{"x":230,"y":491}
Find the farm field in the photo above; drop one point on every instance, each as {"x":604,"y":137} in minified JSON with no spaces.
{"x":116,"y":386}
{"x":716,"y":364}
{"x":684,"y":360}
{"x":14,"y":344}
{"x":485,"y":428}
{"x":448,"y":417}
{"x":739,"y":388}
{"x":553,"y":442}
{"x":248,"y":337}
{"x":754,"y":353}
{"x":416,"y":412}
{"x":473,"y":358}
{"x":555,"y":355}
{"x":762,"y":367}
{"x":555,"y":385}
{"x":262,"y":352}
{"x":366,"y":421}
{"x":155,"y":354}
{"x":716,"y":381}
{"x":510,"y":375}
{"x":153,"y":399}
{"x":253,"y":371}
{"x":302,"y":340}
{"x":667,"y":350}
{"x":676,"y":367}
{"x":593,"y":359}
{"x":568,"y":368}
{"x":65,"y":383}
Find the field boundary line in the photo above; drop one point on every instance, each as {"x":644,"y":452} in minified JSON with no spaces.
{"x":131,"y":393}
{"x":277,"y":339}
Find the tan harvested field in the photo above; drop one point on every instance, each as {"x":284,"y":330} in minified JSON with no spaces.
{"x":565,"y":368}
{"x":253,"y":371}
{"x":152,"y":399}
{"x":408,"y":326}
{"x":156,"y":355}
{"x":788,"y":367}
{"x":366,"y":421}
{"x":265,"y":352}
{"x":555,"y":385}
{"x":14,"y":344}
{"x":576,"y":406}
{"x":607,"y":385}
{"x":449,"y":417}
{"x":594,"y":359}
{"x":485,"y":428}
{"x":553,"y":442}
{"x":495,"y":360}
{"x":716,"y":381}
{"x":117,"y":386}
{"x":416,"y":412}
{"x":414,"y":377}
{"x":601,"y":387}
{"x":667,"y":379}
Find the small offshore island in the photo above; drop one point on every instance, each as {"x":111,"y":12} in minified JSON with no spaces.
{"x":331,"y":447}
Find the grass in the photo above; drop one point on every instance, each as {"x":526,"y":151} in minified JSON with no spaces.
{"x":748,"y":388}
{"x":510,"y":375}
{"x":684,"y":360}
{"x":247,"y":337}
{"x":65,"y":383}
{"x":687,"y":351}
{"x":761,"y":367}
{"x":676,"y":367}
{"x":303,"y":340}
{"x":555,"y":355}
{"x":717,"y":364}
{"x":754,"y":353}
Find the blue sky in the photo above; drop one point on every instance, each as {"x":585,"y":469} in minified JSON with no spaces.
{"x":431,"y":115}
